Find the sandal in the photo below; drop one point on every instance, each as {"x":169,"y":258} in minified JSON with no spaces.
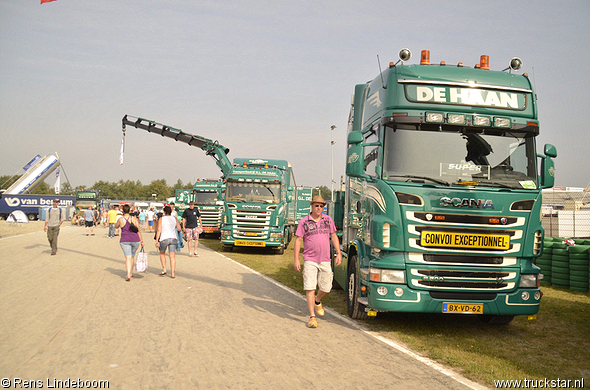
{"x":162,"y":273}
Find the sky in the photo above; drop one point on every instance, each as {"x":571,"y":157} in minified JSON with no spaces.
{"x":267,"y":79}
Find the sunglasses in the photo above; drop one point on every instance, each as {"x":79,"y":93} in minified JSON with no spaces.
{"x":318,"y":205}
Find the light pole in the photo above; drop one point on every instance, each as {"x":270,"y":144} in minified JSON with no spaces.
{"x":332,"y":161}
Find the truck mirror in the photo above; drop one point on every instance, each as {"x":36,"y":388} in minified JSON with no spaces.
{"x":355,"y":160}
{"x":355,"y":137}
{"x":550,"y":150}
{"x":547,"y":172}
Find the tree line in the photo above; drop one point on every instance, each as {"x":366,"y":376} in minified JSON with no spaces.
{"x":125,"y":189}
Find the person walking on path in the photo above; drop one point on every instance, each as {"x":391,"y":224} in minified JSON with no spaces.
{"x":104,"y":218}
{"x":191,"y":223}
{"x":180,"y":243}
{"x":130,"y":240}
{"x":166,"y":237}
{"x":150,"y":219}
{"x":142,"y":217}
{"x":54,"y":217}
{"x":112,"y":216}
{"x":89,"y":220}
{"x":316,"y":230}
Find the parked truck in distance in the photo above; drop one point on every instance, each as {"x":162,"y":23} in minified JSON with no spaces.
{"x":85,"y":198}
{"x":208,"y":197}
{"x":32,"y":205}
{"x":303,"y":204}
{"x":442,"y":202}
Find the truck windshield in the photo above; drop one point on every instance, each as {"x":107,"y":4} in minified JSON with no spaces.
{"x":448,"y":157}
{"x":207,"y":198}
{"x":253,"y":192}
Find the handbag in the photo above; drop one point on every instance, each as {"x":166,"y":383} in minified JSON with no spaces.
{"x":141,"y":264}
{"x":132,"y":227}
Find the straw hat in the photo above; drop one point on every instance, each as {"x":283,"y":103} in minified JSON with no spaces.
{"x":318,"y":199}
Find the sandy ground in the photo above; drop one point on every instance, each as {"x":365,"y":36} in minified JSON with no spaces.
{"x":217,"y":325}
{"x":8,"y":229}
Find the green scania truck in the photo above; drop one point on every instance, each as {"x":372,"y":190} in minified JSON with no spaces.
{"x":259,"y":199}
{"x":441,"y":210}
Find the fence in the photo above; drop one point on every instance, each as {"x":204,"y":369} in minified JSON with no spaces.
{"x":566,"y":212}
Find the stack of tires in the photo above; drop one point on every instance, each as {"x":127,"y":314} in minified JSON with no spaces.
{"x":560,"y":265}
{"x":544,"y":261}
{"x":579,"y":266}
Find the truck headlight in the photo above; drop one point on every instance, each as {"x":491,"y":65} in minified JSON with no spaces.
{"x":227,"y":233}
{"x":387,"y":275}
{"x":529,"y":281}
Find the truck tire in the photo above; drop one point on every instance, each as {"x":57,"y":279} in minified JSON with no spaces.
{"x":227,"y":248}
{"x":356,"y":310}
{"x":495,"y":319}
{"x":280,"y":250}
{"x":32,"y":217}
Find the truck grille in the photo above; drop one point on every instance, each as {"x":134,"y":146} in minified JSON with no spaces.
{"x":251,"y":224}
{"x":429,"y":258}
{"x":211,"y":218}
{"x":461,"y":279}
{"x":465,"y":296}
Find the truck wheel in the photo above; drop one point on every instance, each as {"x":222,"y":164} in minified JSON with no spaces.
{"x":495,"y":319}
{"x":280,"y":250}
{"x":228,"y":248}
{"x":31,"y":217}
{"x":355,"y":309}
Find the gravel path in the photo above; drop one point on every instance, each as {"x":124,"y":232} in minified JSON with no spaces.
{"x":217,"y":325}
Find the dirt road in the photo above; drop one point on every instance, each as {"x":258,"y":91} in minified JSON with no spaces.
{"x":216,"y":325}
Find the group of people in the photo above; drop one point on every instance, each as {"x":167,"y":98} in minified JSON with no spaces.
{"x":169,"y":235}
{"x":315,"y":231}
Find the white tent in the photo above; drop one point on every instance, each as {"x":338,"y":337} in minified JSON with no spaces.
{"x":17,"y":216}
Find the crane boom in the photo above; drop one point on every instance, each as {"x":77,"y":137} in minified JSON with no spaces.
{"x":211,"y":148}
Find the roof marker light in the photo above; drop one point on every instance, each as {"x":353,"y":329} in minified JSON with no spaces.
{"x":425,"y":57}
{"x":484,"y":62}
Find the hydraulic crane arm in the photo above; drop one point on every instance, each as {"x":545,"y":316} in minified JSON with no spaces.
{"x":211,"y":148}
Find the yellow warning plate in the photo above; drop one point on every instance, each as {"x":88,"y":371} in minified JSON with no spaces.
{"x":249,"y":243}
{"x":465,"y":240}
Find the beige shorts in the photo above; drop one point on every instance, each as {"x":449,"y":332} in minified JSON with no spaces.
{"x":317,"y":274}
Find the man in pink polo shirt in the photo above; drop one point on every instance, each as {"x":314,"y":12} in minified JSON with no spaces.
{"x":316,"y":230}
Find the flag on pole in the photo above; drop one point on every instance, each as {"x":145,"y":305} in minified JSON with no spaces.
{"x":46,"y":1}
{"x":57,"y":186}
{"x":122,"y":149}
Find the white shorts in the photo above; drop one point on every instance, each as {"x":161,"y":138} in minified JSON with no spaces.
{"x":317,"y":274}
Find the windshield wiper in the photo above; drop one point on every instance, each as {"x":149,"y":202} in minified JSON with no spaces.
{"x":438,"y":181}
{"x":495,"y":183}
